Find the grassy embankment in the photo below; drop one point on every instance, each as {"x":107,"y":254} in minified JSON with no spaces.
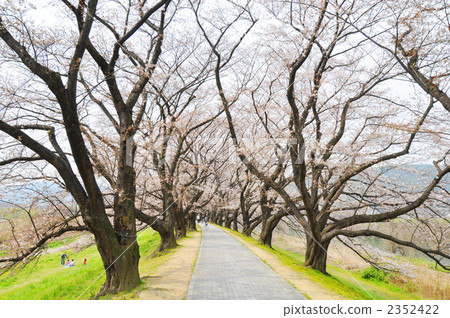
{"x":349,"y":284}
{"x":47,"y":279}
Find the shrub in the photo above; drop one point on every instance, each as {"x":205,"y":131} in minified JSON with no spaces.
{"x":375,"y":274}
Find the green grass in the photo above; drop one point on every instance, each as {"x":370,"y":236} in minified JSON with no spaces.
{"x":348,"y":284}
{"x":4,"y":252}
{"x":47,"y":279}
{"x":372,"y":289}
{"x":17,"y":214}
{"x":419,"y":261}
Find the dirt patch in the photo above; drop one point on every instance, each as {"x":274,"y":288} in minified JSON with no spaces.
{"x":78,"y":245}
{"x":171,"y":280}
{"x":302,"y":283}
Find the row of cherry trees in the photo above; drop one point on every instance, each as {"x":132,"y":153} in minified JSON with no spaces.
{"x":149,"y":113}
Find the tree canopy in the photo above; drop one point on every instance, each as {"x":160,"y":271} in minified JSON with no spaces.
{"x":124,"y":114}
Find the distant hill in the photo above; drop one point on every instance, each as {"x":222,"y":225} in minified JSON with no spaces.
{"x":4,"y":205}
{"x":415,"y":175}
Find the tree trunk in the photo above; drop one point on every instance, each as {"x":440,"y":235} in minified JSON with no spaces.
{"x":168,"y":239}
{"x":245,"y":223}
{"x":235,"y":220}
{"x":180,"y":225}
{"x":213,"y":217}
{"x":247,"y":231}
{"x":122,"y":270}
{"x":176,"y":216}
{"x":121,"y":261}
{"x":165,"y":230}
{"x":191,"y":225}
{"x":218,"y":218}
{"x":265,"y":238}
{"x":228,"y":221}
{"x":316,"y":255}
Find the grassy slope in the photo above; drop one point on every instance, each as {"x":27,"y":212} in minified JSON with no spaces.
{"x":47,"y":279}
{"x":349,"y":284}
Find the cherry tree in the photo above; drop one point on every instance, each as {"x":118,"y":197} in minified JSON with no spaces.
{"x":341,"y":125}
{"x":67,"y":70}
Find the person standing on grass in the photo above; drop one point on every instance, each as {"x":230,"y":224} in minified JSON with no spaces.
{"x":63,"y":258}
{"x":84,"y":263}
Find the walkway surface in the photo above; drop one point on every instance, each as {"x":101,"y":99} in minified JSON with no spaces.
{"x":226,"y":269}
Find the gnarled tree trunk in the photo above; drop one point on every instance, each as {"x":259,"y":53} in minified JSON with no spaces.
{"x":268,"y":227}
{"x":316,"y":255}
{"x":122,"y":268}
{"x":164,"y":229}
{"x":168,"y":240}
{"x":248,"y":230}
{"x":180,"y":224}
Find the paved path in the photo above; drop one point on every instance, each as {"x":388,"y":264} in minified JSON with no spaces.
{"x":226,"y":269}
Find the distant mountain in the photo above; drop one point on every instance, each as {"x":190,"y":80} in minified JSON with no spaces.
{"x":415,"y":175}
{"x":4,"y":205}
